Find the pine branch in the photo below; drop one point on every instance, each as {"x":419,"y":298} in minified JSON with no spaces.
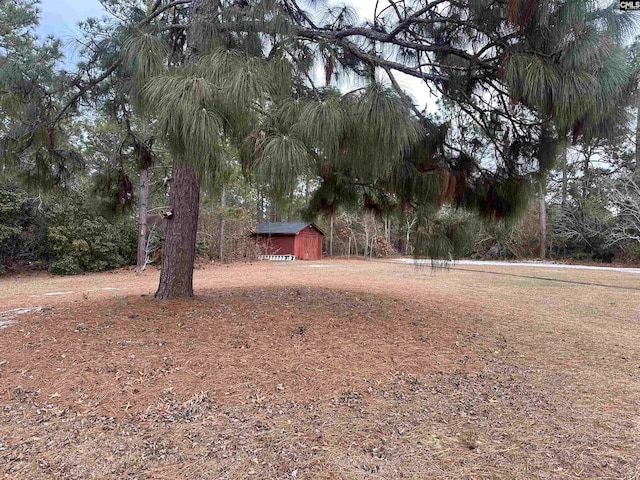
{"x":84,"y":89}
{"x":115,"y":65}
{"x":403,"y":94}
{"x":411,"y":18}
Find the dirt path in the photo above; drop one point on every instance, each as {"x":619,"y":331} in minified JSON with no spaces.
{"x":526,"y":265}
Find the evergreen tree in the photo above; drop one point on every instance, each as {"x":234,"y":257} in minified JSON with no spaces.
{"x":224,"y":73}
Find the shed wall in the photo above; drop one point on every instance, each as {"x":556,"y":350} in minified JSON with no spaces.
{"x":278,"y":244}
{"x":308,"y":244}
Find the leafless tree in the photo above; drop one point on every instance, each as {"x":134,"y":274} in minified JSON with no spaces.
{"x":625,"y":197}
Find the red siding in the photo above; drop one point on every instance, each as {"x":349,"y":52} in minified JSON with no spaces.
{"x":306,"y":245}
{"x":309,"y":244}
{"x":278,"y":244}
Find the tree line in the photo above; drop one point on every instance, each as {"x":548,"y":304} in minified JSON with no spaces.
{"x":295,"y":110}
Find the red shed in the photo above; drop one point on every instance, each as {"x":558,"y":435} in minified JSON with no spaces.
{"x":304,"y":240}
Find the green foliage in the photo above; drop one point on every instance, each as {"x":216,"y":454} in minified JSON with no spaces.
{"x":144,"y":55}
{"x":80,"y":241}
{"x":572,"y":67}
{"x":10,"y":206}
{"x":381,"y":131}
{"x":502,"y":199}
{"x":30,"y":86}
{"x":62,"y":231}
{"x":629,"y":253}
{"x":446,"y":234}
{"x":238,"y":79}
{"x":22,"y":229}
{"x":516,"y":238}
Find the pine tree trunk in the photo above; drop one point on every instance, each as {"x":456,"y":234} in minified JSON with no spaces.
{"x":387,"y":228}
{"x":143,"y":205}
{"x":179,"y":250}
{"x":407,"y":238}
{"x":331,"y":236}
{"x":543,"y":221}
{"x":143,"y":230}
{"x":586,"y":174}
{"x":259,"y":207}
{"x":366,"y":237}
{"x":223,"y":204}
{"x":562,"y":145}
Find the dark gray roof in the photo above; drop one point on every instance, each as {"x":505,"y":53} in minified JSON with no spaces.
{"x":283,"y":228}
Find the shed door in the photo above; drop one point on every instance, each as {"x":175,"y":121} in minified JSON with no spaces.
{"x":309,"y":247}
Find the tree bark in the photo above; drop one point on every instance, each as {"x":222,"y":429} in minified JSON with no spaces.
{"x":273,"y":212}
{"x":223,"y":205}
{"x":543,"y":220}
{"x":408,"y":235}
{"x":366,"y":236}
{"x":179,"y":251}
{"x":587,"y":173}
{"x":143,"y":205}
{"x":562,"y":145}
{"x":143,"y":231}
{"x":259,"y":207}
{"x":387,"y":228}
{"x":331,"y":235}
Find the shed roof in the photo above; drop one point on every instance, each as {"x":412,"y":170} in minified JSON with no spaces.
{"x":283,"y":228}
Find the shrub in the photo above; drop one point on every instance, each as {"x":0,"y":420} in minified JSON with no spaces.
{"x":517,"y":238}
{"x":81,"y":241}
{"x":22,"y":229}
{"x":581,"y":229}
{"x":62,"y":231}
{"x":629,"y":253}
{"x":10,"y":205}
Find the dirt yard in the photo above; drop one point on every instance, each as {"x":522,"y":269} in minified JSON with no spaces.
{"x":334,"y":369}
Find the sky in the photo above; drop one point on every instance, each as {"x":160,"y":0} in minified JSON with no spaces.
{"x":60,"y":18}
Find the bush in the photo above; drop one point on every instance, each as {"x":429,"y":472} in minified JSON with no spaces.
{"x":80,"y":241}
{"x":518,"y":238}
{"x":449,"y":234}
{"x":629,"y":253}
{"x":22,"y":229}
{"x":580,"y":230}
{"x":62,"y":232}
{"x":11,"y":203}
{"x":65,"y":265}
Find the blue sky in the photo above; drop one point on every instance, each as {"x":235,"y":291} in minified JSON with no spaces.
{"x":60,"y":17}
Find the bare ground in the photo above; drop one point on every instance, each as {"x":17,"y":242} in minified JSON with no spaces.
{"x":334,"y":369}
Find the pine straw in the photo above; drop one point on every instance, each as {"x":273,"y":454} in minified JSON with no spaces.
{"x":302,"y":382}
